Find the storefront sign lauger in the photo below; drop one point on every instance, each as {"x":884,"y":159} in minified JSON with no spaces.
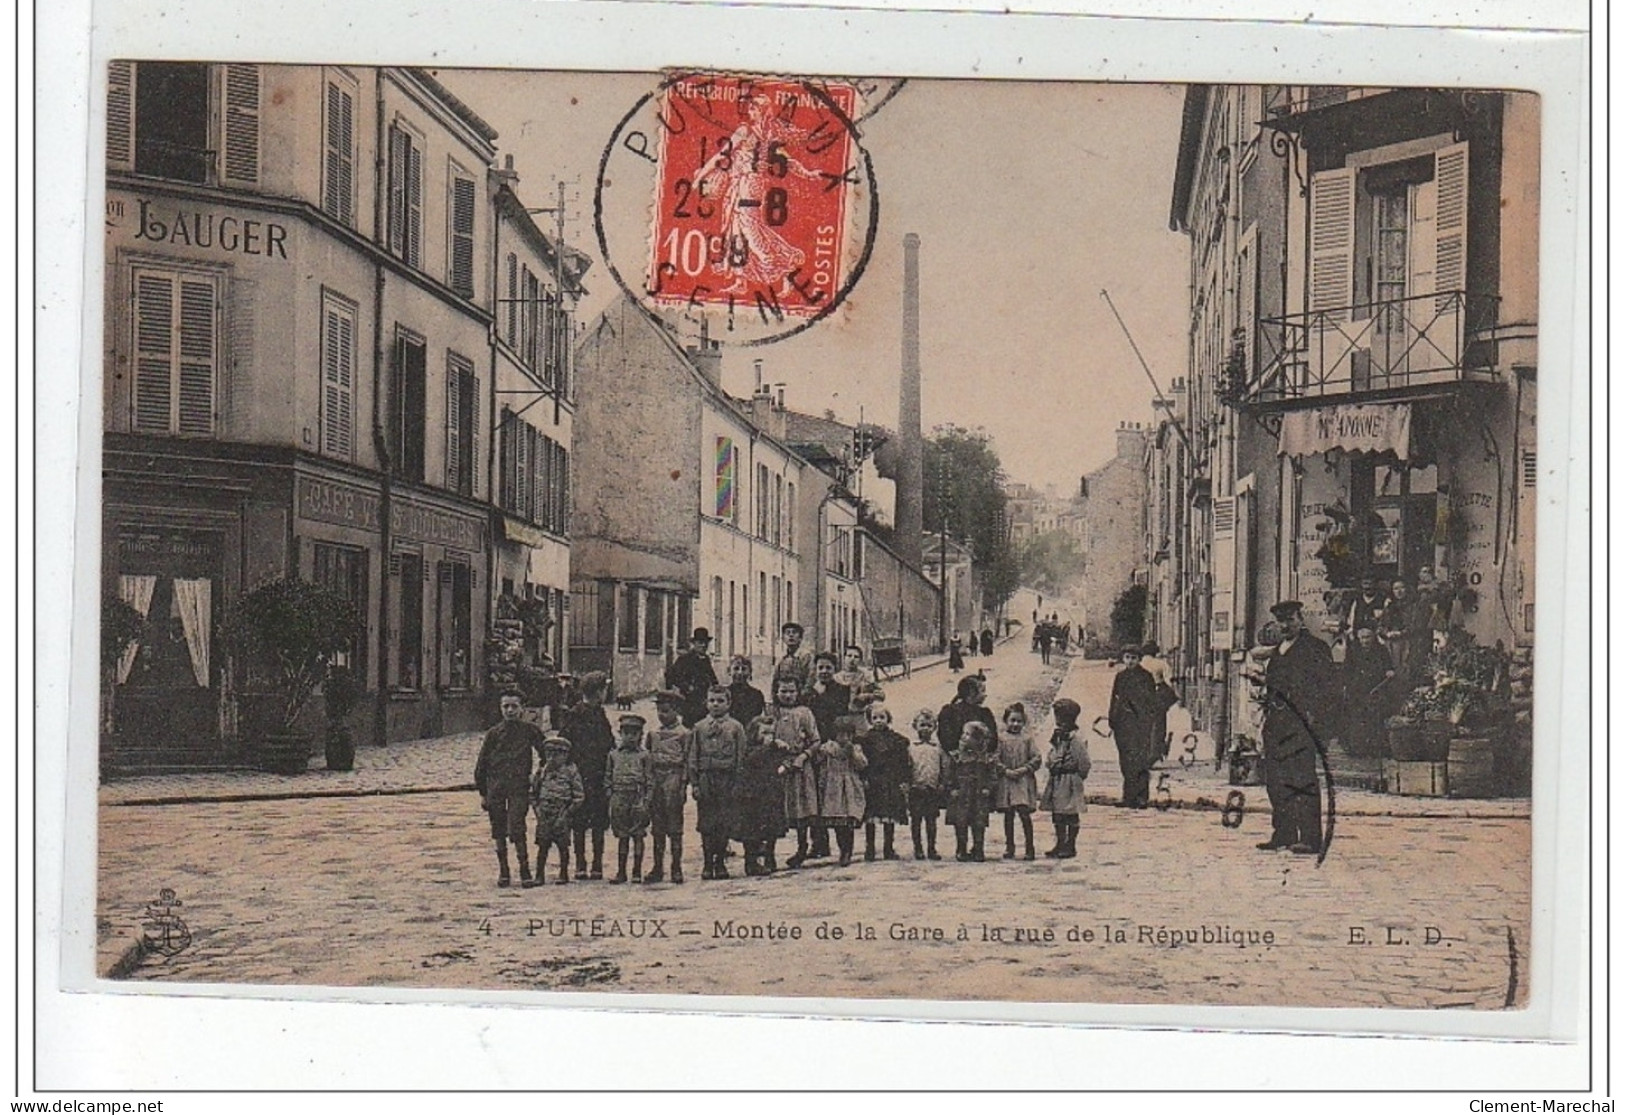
{"x":326,"y":502}
{"x":1354,"y":428}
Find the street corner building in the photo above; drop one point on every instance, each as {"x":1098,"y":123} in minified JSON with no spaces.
{"x":1360,"y":393}
{"x":337,"y":347}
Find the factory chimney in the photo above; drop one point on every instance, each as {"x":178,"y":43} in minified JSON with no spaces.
{"x":910,"y":473}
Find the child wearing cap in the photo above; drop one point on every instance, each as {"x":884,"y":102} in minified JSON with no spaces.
{"x":627,"y":779}
{"x":1068,"y":765}
{"x":501,"y":775}
{"x":928,"y":778}
{"x":719,"y":748}
{"x":669,"y":746}
{"x":556,"y":793}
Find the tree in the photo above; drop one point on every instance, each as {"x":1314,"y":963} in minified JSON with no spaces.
{"x":964,"y":485}
{"x":1052,"y":563}
{"x":1128,"y":616}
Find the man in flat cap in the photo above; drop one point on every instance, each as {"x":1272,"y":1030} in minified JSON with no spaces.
{"x":1297,"y":679}
{"x":692,"y":675}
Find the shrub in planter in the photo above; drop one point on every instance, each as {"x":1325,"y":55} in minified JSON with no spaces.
{"x":339,"y":696}
{"x":288,"y":633}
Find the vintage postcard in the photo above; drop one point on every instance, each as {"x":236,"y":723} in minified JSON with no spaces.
{"x":722,"y":532}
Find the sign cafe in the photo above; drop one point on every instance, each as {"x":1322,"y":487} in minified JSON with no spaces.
{"x":324,"y":502}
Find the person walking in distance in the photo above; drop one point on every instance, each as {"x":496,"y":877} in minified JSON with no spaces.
{"x":1297,"y":678}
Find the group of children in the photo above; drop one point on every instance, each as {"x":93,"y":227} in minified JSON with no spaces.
{"x":753,"y":783}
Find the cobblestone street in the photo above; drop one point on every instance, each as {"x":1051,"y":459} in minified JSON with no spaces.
{"x":396,"y":889}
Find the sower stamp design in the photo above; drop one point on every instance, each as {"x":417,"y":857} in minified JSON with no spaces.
{"x":758,"y":186}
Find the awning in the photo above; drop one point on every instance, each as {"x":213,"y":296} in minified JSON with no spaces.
{"x":1353,"y":428}
{"x":516,"y":531}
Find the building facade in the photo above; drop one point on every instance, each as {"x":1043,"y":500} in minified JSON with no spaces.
{"x":300,"y":358}
{"x":1112,"y":515}
{"x":1362,"y":366}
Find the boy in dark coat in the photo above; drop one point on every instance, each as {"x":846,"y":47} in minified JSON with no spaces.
{"x":502,"y":776}
{"x":759,"y":819}
{"x":885,"y":782}
{"x":591,"y":740}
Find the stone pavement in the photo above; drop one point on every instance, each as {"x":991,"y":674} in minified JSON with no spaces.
{"x":341,"y":880}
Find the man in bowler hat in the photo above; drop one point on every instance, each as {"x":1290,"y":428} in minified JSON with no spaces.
{"x":1297,"y":678}
{"x":692,"y":675}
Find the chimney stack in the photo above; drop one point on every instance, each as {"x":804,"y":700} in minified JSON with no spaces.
{"x":911,"y":471}
{"x":707,"y":357}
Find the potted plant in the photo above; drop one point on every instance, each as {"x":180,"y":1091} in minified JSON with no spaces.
{"x":288,"y":633}
{"x":339,"y":696}
{"x":122,"y":628}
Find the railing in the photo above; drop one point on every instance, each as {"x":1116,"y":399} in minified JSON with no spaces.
{"x":1375,"y":347}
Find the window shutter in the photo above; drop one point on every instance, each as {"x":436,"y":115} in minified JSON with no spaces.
{"x":454,"y":425}
{"x":564,"y":491}
{"x":476,"y":436}
{"x":1224,"y":571}
{"x":339,"y":196}
{"x":521,"y":444}
{"x":397,"y":191}
{"x":513,"y":299}
{"x":414,"y":204}
{"x":120,"y":115}
{"x":462,"y":236}
{"x":1450,"y":223}
{"x":338,"y":382}
{"x":197,"y":356}
{"x":1331,"y":243}
{"x":154,"y":350}
{"x":241,"y":164}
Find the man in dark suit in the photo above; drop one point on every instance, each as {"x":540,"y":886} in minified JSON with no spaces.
{"x":1297,"y":680}
{"x":692,"y":675}
{"x":1138,"y":714}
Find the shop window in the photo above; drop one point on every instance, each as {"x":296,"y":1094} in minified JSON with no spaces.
{"x":654,"y":622}
{"x":186,"y":121}
{"x":177,"y":343}
{"x":409,"y":647}
{"x":460,"y":231}
{"x":627,"y":637}
{"x":408,"y":405}
{"x":342,"y":570}
{"x":405,"y":196}
{"x":462,"y":425}
{"x":338,"y":376}
{"x":338,"y":151}
{"x":1395,"y":517}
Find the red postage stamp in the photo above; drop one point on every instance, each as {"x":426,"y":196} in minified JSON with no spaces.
{"x":752,"y":194}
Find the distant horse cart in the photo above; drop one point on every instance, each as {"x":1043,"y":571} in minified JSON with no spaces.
{"x":889,"y":659}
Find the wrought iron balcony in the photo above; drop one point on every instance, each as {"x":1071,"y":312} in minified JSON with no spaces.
{"x":1375,"y":349}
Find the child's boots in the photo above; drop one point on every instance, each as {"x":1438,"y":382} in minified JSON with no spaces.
{"x":890,"y":850}
{"x":637,"y":859}
{"x":524,"y":866}
{"x":620,"y":871}
{"x":504,"y":874}
{"x":869,"y":843}
{"x":657,"y":873}
{"x":677,"y":859}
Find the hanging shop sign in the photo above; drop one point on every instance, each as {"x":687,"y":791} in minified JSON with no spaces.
{"x":1353,"y":428}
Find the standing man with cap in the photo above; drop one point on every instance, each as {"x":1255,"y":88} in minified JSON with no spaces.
{"x":796,"y":662}
{"x":1297,"y":677}
{"x":692,"y":675}
{"x":1138,"y":715}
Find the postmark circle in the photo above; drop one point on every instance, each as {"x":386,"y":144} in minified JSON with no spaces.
{"x":738,"y":209}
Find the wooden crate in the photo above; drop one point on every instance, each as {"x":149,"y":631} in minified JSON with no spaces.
{"x":1417,"y":779}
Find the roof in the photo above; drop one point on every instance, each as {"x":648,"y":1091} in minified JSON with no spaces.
{"x":1190,"y":135}
{"x":454,"y":103}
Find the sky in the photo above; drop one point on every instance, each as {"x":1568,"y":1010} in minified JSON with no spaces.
{"x":1029,"y":199}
